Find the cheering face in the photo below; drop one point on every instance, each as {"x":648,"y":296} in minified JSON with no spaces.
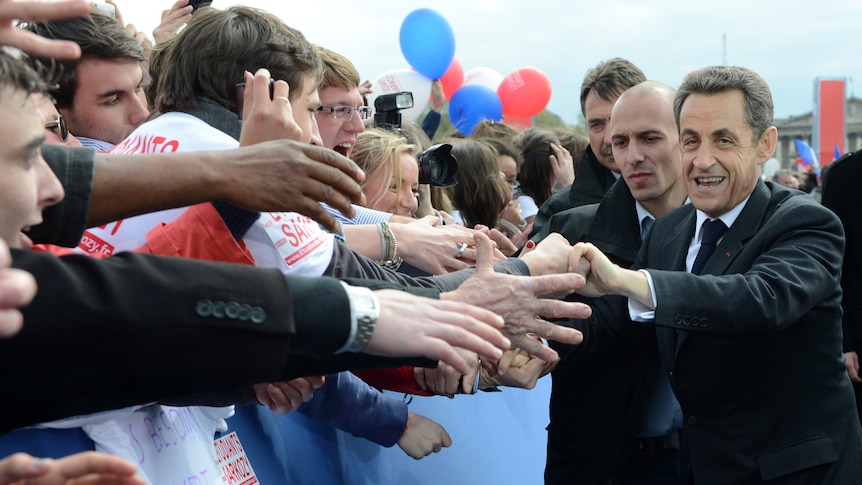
{"x":646,"y":144}
{"x":597,"y":113}
{"x":721,"y":159}
{"x":394,"y":196}
{"x":27,"y":184}
{"x":339,"y":133}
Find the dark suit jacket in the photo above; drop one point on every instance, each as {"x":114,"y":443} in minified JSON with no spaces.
{"x":757,"y":364}
{"x":591,"y":183}
{"x":841,"y":194}
{"x":133,"y":329}
{"x":600,"y":388}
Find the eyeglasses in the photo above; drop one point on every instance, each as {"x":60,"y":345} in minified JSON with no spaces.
{"x":59,"y":127}
{"x":346,"y":112}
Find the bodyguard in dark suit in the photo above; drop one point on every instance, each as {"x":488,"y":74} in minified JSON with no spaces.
{"x":841,"y":194}
{"x":600,"y":89}
{"x":614,"y":439}
{"x":751,"y":342}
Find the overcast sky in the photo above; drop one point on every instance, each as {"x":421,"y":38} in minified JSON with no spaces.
{"x":790,"y":43}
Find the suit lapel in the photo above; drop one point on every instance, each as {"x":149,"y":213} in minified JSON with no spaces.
{"x":744,"y":228}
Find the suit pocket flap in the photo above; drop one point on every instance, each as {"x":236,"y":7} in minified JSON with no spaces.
{"x":796,"y":457}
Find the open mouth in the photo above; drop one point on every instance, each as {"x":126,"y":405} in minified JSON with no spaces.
{"x":343,"y":148}
{"x":708,"y":181}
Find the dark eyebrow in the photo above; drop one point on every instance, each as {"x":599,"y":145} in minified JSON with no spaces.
{"x":688,"y":131}
{"x":115,"y":92}
{"x":646,"y":133}
{"x":724,"y":132}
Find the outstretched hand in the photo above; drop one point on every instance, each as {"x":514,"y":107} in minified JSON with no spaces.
{"x":290,"y":176}
{"x":88,"y":467}
{"x":286,"y":396}
{"x":516,"y":299}
{"x":411,"y":326}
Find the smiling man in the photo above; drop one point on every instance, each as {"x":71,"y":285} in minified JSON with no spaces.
{"x":100,"y":94}
{"x":750,"y":333}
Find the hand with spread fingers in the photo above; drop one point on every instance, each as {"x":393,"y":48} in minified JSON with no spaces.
{"x":516,"y":299}
{"x":434,"y":330}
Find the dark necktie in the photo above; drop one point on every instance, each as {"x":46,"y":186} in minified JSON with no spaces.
{"x":712,"y":232}
{"x":646,"y":223}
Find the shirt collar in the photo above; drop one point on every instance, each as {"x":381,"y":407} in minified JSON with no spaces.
{"x":728,"y":218}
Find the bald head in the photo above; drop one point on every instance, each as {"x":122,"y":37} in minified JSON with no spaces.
{"x":645,"y":142}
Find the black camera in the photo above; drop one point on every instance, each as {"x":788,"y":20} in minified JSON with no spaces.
{"x":437,"y":166}
{"x":387,"y":109}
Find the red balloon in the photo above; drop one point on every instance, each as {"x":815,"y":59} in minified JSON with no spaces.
{"x":453,"y":79}
{"x":524,"y":92}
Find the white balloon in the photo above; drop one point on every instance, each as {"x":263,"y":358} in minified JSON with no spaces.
{"x":484,"y":76}
{"x":398,"y":80}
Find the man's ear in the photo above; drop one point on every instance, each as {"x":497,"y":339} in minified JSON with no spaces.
{"x":767,"y":143}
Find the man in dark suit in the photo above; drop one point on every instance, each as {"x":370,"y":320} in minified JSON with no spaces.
{"x":597,"y":171}
{"x":841,"y":194}
{"x":750,"y":334}
{"x":609,"y":440}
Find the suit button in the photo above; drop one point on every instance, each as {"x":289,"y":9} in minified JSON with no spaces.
{"x":218,"y":309}
{"x":692,"y":420}
{"x":244,"y":312}
{"x":232,"y":310}
{"x":677,"y":319}
{"x":204,"y":308}
{"x":703,"y":323}
{"x":258,"y":315}
{"x":686,"y":321}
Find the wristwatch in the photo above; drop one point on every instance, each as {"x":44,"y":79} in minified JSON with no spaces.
{"x":364,"y":312}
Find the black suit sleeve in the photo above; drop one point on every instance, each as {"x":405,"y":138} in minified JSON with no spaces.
{"x":132,"y":329}
{"x":64,"y":223}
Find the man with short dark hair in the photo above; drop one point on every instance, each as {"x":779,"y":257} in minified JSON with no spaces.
{"x":597,"y":171}
{"x":100,"y":94}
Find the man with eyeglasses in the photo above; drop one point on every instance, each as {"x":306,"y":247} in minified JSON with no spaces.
{"x":56,"y":129}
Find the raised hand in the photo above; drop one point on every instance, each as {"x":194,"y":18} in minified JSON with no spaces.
{"x":10,"y":35}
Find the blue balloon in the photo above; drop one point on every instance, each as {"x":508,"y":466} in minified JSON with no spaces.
{"x":472,"y":104}
{"x":427,"y":42}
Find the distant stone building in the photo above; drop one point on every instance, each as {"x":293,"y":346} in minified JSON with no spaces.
{"x":801,"y":127}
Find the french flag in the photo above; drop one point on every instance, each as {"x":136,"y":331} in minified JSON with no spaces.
{"x":807,"y":158}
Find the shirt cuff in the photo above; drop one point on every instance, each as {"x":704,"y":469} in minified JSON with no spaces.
{"x":637,"y":310}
